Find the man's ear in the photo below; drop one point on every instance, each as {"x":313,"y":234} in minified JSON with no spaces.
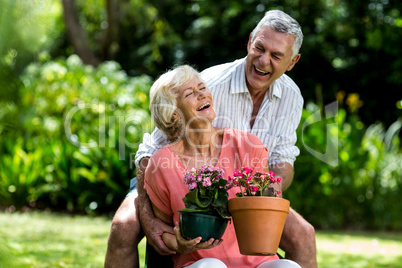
{"x":249,"y":42}
{"x":293,"y":62}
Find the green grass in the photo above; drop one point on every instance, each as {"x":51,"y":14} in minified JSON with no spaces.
{"x":51,"y":240}
{"x":359,"y":249}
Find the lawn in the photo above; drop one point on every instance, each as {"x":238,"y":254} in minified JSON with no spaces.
{"x":50,"y":240}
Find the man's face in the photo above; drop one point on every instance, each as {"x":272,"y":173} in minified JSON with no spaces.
{"x":269,"y":56}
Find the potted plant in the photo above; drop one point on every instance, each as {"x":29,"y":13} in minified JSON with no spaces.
{"x":259,"y":213}
{"x":206,"y":204}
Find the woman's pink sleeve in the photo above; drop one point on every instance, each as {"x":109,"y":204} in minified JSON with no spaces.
{"x":156,"y":188}
{"x":260,"y":153}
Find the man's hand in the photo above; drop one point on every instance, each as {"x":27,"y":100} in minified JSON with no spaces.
{"x":152,"y":226}
{"x":153,"y":229}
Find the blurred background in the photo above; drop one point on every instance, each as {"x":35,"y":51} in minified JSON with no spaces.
{"x":75,"y":77}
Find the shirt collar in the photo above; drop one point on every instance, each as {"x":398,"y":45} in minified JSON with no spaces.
{"x":238,"y":82}
{"x":238,"y":79}
{"x":276,"y":89}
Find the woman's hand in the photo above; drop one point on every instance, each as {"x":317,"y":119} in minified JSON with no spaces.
{"x":186,"y":246}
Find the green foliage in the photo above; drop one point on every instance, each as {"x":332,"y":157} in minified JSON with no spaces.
{"x":77,"y":130}
{"x":27,"y":27}
{"x":21,"y":173}
{"x":358,"y":190}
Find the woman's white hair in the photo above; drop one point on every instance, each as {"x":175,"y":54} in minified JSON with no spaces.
{"x":163,"y":103}
{"x":283,"y":23}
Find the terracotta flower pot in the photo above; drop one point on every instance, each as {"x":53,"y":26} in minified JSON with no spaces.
{"x":258,"y":221}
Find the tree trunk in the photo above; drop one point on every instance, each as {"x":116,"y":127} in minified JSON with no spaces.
{"x":109,"y":44}
{"x":77,"y":35}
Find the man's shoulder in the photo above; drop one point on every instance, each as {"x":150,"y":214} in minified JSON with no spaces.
{"x":287,"y":83}
{"x":219,"y":73}
{"x":165,"y":151}
{"x":211,"y":71}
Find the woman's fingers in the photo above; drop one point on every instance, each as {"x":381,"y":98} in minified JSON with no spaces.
{"x":211,"y":243}
{"x":189,"y":245}
{"x":185,"y":245}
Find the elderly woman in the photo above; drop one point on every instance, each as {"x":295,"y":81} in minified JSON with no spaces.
{"x":182,"y":108}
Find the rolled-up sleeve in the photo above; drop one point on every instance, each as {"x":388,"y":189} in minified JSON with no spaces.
{"x":285,"y":149}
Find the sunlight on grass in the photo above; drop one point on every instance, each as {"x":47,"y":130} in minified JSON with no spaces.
{"x":51,"y":240}
{"x":359,"y":249}
{"x":43,"y":240}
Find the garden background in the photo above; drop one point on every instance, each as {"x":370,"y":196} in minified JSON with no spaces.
{"x":75,"y":77}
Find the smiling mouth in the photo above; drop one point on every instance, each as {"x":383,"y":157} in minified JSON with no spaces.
{"x":204,"y":106}
{"x":261,"y":72}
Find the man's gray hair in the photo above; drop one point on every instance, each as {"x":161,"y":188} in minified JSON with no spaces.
{"x":283,"y":23}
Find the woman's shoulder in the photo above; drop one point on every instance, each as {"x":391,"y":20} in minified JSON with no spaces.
{"x":162,"y":163}
{"x":242,"y":136}
{"x":163,"y":153}
{"x":246,"y":148}
{"x":241,"y":142}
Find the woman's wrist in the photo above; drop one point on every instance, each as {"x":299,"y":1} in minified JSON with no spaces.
{"x":170,"y":241}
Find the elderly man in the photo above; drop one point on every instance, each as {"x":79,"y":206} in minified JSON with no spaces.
{"x":252,"y":94}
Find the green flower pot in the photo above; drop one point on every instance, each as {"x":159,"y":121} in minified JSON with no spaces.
{"x":193,"y":225}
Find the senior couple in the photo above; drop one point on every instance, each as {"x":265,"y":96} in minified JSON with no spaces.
{"x":247,"y":109}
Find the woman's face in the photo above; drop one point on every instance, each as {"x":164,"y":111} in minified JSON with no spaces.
{"x":194,"y":103}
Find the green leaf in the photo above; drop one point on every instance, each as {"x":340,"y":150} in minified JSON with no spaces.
{"x":222,"y":199}
{"x":202,"y":191}
{"x":204,"y":202}
{"x":195,"y":209}
{"x":193,"y":197}
{"x":223,"y":212}
{"x":222,"y":182}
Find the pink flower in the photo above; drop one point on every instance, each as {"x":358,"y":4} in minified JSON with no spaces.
{"x":192,"y":186}
{"x":247,"y":170}
{"x":251,"y":183}
{"x":206,"y":182}
{"x":204,"y":177}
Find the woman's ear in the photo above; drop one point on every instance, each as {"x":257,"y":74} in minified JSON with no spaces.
{"x":175,"y":116}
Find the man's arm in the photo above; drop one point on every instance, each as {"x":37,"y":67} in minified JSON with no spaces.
{"x":285,"y":171}
{"x":285,"y":151}
{"x":150,"y":144}
{"x":152,"y":226}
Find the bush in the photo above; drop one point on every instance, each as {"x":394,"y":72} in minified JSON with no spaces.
{"x":77,"y":129}
{"x":355,"y":187}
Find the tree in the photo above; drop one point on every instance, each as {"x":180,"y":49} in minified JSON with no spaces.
{"x":79,"y":38}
